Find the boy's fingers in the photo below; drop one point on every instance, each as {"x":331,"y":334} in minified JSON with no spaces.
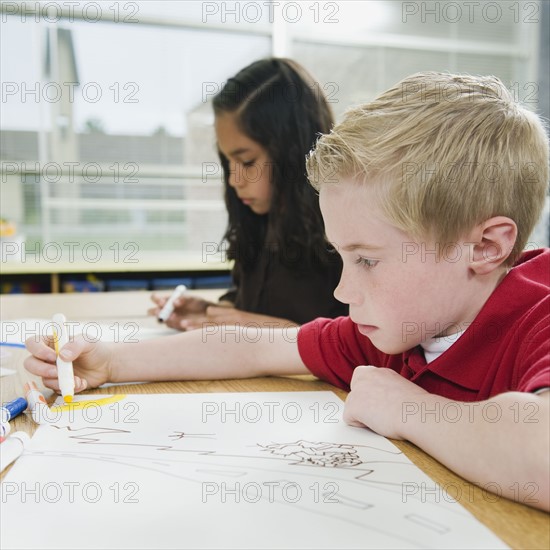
{"x":80,"y":384}
{"x":39,"y":367}
{"x":360,"y":374}
{"x":355,"y":423}
{"x":41,"y":348}
{"x":72,"y":350}
{"x":52,"y":383}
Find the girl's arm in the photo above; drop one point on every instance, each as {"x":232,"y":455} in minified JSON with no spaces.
{"x":227,"y":315}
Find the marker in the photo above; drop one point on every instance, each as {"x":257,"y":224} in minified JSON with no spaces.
{"x":37,"y":403}
{"x":12,"y":345}
{"x":168,"y":308}
{"x":12,"y":409}
{"x":5,"y":429}
{"x":12,"y":448}
{"x":65,"y":372}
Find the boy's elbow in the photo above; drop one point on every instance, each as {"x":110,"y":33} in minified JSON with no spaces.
{"x":536,"y":494}
{"x":530,"y":483}
{"x":545,"y":501}
{"x":542,"y":484}
{"x":528,"y":466}
{"x":540,"y":466}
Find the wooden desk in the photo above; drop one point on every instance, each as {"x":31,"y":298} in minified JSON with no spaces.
{"x":516,"y":524}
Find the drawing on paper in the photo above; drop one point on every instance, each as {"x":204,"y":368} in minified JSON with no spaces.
{"x":193,"y":471}
{"x":335,"y":455}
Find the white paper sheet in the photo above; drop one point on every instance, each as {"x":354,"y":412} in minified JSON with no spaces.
{"x":248,"y":470}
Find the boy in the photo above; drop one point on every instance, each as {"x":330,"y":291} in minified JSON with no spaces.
{"x":429,"y":194}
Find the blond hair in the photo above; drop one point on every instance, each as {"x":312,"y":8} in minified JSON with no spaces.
{"x":447,"y":152}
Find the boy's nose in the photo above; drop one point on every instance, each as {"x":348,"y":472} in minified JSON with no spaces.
{"x":346,"y":293}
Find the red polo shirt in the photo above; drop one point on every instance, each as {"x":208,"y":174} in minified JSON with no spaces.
{"x":506,"y":348}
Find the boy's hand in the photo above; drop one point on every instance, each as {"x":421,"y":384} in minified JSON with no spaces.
{"x":187,"y":310}
{"x":90,"y":362}
{"x":377,"y":399}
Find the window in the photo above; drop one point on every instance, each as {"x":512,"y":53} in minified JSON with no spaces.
{"x":106,"y":119}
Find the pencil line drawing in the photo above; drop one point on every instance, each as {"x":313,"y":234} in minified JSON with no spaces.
{"x":428,"y":523}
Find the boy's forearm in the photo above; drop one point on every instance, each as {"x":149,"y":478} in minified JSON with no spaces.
{"x":501,"y":444}
{"x":212,"y":353}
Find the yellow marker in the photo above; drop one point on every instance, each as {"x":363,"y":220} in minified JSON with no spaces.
{"x":65,"y":372}
{"x":75,"y":405}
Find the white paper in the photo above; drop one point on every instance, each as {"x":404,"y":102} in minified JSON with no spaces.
{"x":248,"y":470}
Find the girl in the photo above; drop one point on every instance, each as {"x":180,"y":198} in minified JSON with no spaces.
{"x":267,"y":118}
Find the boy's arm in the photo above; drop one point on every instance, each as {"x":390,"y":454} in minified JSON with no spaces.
{"x":501,"y":444}
{"x":212,"y":353}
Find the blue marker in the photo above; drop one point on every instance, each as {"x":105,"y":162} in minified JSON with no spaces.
{"x":12,"y":345}
{"x":13,"y":408}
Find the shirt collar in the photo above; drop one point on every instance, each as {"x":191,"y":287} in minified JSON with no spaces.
{"x":434,"y":347}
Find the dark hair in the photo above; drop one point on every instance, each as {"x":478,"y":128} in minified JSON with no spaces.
{"x":279,"y":106}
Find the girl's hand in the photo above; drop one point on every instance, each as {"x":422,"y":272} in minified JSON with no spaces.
{"x":229,"y":315}
{"x":91,"y":362}
{"x":186,"y":308}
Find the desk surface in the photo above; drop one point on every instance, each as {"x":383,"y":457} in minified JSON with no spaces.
{"x":516,"y":524}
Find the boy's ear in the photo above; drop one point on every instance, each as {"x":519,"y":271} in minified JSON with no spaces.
{"x":492,"y":242}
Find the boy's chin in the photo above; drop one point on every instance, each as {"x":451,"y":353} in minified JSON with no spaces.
{"x":390,"y":347}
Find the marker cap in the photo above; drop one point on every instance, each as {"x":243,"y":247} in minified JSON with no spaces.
{"x":5,"y":429}
{"x":13,"y":408}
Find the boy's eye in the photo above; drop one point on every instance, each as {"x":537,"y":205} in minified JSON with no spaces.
{"x":365,"y":262}
{"x":249,"y":163}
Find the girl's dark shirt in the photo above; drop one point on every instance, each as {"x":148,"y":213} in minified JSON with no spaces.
{"x":285,"y":288}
